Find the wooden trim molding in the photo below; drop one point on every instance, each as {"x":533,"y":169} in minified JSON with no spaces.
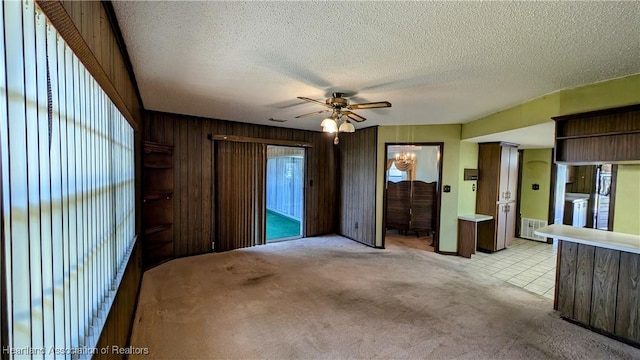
{"x":246,"y":139}
{"x":452,"y":253}
{"x":55,"y":11}
{"x":115,"y":27}
{"x":435,"y":234}
{"x":4,"y":325}
{"x":519,"y":193}
{"x":551,"y":215}
{"x":612,"y":196}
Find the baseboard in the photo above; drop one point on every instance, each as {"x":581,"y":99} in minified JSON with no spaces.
{"x":455,"y":253}
{"x":361,"y":242}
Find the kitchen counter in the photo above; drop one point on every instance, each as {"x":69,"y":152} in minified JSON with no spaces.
{"x":576,"y":196}
{"x":475,"y":217}
{"x":598,"y":280}
{"x":593,"y":237}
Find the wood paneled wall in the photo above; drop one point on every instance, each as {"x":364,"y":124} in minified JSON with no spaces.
{"x":357,"y":181}
{"x":584,"y":180}
{"x":117,"y":328}
{"x":88,"y":28}
{"x":193,"y":174}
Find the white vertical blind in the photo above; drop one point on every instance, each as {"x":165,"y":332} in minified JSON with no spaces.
{"x":67,"y":160}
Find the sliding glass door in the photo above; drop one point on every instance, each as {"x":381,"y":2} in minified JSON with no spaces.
{"x":284,"y":195}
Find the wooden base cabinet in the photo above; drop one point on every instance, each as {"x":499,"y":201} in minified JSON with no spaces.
{"x":497,"y":189}
{"x":600,"y":289}
{"x":474,"y":231}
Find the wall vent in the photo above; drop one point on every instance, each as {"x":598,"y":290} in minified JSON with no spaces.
{"x":529,"y":226}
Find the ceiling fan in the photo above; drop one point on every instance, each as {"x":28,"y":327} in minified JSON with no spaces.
{"x":339,"y":106}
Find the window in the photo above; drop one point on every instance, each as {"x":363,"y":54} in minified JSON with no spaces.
{"x":395,"y":175}
{"x":67,"y":157}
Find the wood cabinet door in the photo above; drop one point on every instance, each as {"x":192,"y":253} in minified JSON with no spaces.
{"x":512,"y":187}
{"x":510,"y":224}
{"x":584,"y":212}
{"x":503,"y":187}
{"x":501,"y":239}
{"x":575,"y":219}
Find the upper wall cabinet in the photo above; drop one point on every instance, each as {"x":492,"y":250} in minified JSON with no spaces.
{"x":604,"y":136}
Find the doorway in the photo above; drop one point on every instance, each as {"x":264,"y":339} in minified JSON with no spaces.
{"x":412,"y":194}
{"x":585,"y":195}
{"x":284,"y":193}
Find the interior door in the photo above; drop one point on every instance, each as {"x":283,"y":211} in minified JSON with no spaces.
{"x":240,"y":169}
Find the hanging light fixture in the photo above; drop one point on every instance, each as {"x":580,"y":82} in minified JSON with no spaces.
{"x":406,"y":158}
{"x":347,"y":127}
{"x":329,"y":125}
{"x":336,"y":124}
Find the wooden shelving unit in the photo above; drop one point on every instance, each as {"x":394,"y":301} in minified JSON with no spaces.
{"x":604,"y":136}
{"x":157,"y":200}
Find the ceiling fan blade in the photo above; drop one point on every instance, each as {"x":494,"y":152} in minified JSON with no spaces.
{"x":354,"y":116}
{"x":314,"y":101}
{"x":372,"y":105}
{"x":313,"y":113}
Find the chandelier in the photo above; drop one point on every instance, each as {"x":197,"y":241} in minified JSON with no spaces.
{"x":406,"y":158}
{"x":336,"y":124}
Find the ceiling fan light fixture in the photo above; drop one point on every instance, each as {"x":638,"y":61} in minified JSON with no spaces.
{"x":347,"y":127}
{"x":326,"y":122}
{"x":340,"y":106}
{"x":329,"y":125}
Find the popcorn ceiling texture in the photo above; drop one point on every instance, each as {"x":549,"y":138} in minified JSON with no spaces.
{"x":436,"y":62}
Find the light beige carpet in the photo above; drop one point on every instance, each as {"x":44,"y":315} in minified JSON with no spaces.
{"x":332,"y":298}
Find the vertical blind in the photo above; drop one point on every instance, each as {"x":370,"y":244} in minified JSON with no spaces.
{"x":240,"y":204}
{"x":67,"y":157}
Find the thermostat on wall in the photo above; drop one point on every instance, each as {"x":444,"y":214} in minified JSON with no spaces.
{"x":471,"y":174}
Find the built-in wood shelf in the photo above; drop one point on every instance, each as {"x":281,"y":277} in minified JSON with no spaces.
{"x":159,"y":243}
{"x":604,"y":136}
{"x":157,"y":210}
{"x":158,"y":228}
{"x":160,"y":195}
{"x":613,"y":133}
{"x":151,"y":147}
{"x":157,"y":166}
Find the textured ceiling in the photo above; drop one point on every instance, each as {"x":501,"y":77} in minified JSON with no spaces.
{"x":436,"y":62}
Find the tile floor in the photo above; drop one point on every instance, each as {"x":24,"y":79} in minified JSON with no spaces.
{"x":526,"y":263}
